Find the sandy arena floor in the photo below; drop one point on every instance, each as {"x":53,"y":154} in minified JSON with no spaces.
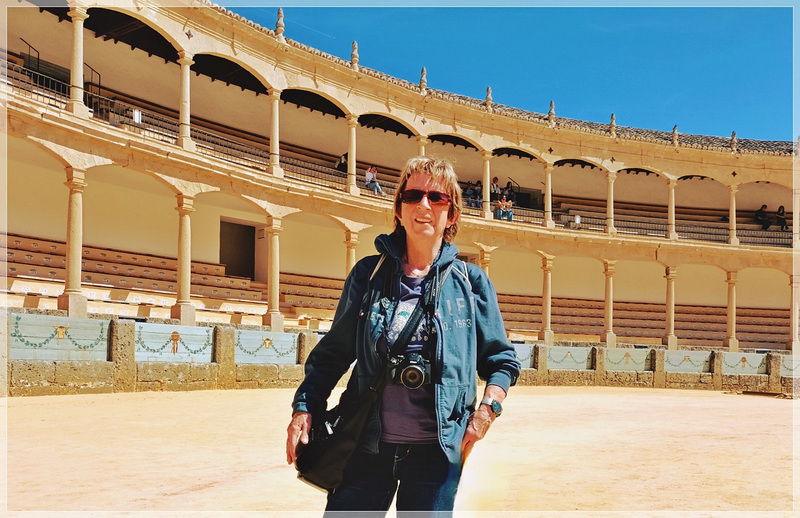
{"x":599,"y":451}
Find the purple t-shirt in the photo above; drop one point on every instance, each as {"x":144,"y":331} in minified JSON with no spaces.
{"x":408,"y":416}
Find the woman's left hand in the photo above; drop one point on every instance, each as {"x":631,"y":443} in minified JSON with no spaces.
{"x":478,"y":425}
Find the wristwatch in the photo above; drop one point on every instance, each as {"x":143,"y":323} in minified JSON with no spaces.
{"x":494,"y":406}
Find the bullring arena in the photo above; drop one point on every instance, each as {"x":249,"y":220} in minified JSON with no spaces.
{"x":159,"y":255}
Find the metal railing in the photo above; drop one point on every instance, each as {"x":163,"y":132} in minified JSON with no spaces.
{"x":42,"y":88}
{"x":33,"y":85}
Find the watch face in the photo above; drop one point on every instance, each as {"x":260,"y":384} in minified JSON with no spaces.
{"x":496,"y":408}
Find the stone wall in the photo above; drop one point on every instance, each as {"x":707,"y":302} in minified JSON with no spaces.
{"x":133,"y":356}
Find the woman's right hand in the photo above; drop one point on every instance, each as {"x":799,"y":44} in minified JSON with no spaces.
{"x":297,"y":433}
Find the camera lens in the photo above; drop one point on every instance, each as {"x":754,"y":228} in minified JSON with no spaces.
{"x":413,"y":377}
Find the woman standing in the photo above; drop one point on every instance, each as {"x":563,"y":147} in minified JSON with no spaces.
{"x":417,"y":438}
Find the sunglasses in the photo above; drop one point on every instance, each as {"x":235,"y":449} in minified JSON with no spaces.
{"x":416,"y":195}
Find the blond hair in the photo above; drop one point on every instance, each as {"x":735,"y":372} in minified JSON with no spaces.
{"x":440,"y":171}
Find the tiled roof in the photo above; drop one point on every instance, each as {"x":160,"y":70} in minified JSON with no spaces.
{"x":750,"y":146}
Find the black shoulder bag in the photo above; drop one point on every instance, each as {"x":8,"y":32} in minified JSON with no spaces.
{"x":321,"y":462}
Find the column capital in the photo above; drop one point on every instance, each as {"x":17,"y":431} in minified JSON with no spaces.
{"x":274,"y":225}
{"x":548,"y":167}
{"x":670,"y":272}
{"x":672,"y":182}
{"x":274,"y":93}
{"x":350,"y":238}
{"x":733,"y":189}
{"x":185,"y":58}
{"x":609,"y":267}
{"x":732,"y":277}
{"x":185,"y":204}
{"x":794,"y":280}
{"x":547,"y":264}
{"x":611,"y":176}
{"x":75,"y":176}
{"x":423,"y":139}
{"x":486,"y":155}
{"x":351,"y":119}
{"x":78,"y":13}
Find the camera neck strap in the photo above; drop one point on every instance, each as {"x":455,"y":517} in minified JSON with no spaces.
{"x":426,"y":301}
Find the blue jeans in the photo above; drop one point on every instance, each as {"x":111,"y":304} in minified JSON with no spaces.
{"x":426,"y":482}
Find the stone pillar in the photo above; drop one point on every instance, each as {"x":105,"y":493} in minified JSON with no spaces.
{"x":670,"y":339}
{"x":421,"y":143}
{"x":717,"y":358}
{"x":487,"y":183}
{"x":73,"y":300}
{"x":732,"y":239}
{"x":185,"y":137}
{"x":598,"y":355}
{"x":540,"y":364}
{"x":658,"y":361}
{"x":794,"y":321}
{"x":774,"y":373}
{"x":609,"y":338}
{"x":274,"y":134}
{"x":352,"y":124}
{"x":484,"y":258}
{"x":183,"y":309}
{"x":672,"y":233}
{"x":273,"y":317}
{"x":796,"y":218}
{"x":546,"y":333}
{"x":730,"y":334}
{"x":225,"y":356}
{"x":611,"y":176}
{"x":350,"y":241}
{"x":306,"y":341}
{"x":123,"y":354}
{"x":548,"y":197}
{"x":75,"y":104}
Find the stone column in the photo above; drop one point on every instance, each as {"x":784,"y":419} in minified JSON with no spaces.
{"x":273,"y":317}
{"x":796,"y":218}
{"x":732,"y":239}
{"x":183,"y":309}
{"x":670,"y":339}
{"x":352,"y":124}
{"x":548,"y":197}
{"x":546,"y":333}
{"x":486,"y":212}
{"x":609,"y":338}
{"x":421,"y":143}
{"x":274,"y":134}
{"x":73,"y":300}
{"x":185,"y":137}
{"x":794,"y":321}
{"x":611,"y":176}
{"x":671,"y":232}
{"x":484,"y":258}
{"x":730,"y":334}
{"x":75,"y":104}
{"x":350,"y":241}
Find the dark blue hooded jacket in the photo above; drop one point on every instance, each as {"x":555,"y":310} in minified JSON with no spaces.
{"x":469,"y":330}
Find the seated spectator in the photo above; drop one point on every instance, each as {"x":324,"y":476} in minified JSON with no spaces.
{"x":762,"y":218}
{"x":469,"y":194}
{"x":780,"y":219}
{"x":502,"y":209}
{"x":479,"y":193}
{"x":372,"y":181}
{"x":509,"y":193}
{"x":341,"y":164}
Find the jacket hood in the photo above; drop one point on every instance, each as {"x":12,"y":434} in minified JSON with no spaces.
{"x":394,"y":245}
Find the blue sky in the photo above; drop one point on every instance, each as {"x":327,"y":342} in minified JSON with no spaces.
{"x":710,"y":70}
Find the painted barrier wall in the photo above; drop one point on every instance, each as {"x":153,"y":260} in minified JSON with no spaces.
{"x":51,"y":354}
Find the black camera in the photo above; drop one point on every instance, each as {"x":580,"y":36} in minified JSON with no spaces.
{"x":412,"y":370}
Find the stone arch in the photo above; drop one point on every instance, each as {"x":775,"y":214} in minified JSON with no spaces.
{"x":161,"y":29}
